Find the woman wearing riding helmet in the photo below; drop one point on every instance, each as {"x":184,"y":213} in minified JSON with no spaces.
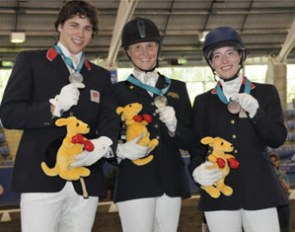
{"x":249,"y":116}
{"x":149,"y":196}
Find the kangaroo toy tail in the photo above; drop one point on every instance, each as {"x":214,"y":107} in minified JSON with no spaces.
{"x":49,"y":171}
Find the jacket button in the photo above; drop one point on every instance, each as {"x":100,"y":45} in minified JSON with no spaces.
{"x":234,"y":136}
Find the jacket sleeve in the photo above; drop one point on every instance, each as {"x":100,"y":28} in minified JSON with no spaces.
{"x":268,"y":121}
{"x":108,"y":122}
{"x":19,"y":108}
{"x":197,"y":150}
{"x":183,"y":114}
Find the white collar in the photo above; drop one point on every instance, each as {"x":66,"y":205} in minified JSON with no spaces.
{"x":148,"y":78}
{"x":233,"y":86}
{"x":65,"y":51}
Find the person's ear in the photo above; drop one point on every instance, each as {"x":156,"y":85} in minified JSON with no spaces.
{"x":127,"y":51}
{"x":59,"y":28}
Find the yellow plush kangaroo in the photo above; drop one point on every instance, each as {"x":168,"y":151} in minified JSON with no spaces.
{"x":136,"y":126}
{"x":220,"y":160}
{"x":72,"y":145}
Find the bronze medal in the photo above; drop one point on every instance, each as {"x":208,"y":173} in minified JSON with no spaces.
{"x":233,"y":107}
{"x":75,"y":77}
{"x":160,"y":101}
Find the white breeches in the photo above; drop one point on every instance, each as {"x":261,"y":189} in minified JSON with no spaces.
{"x":264,"y":220}
{"x":64,"y":211}
{"x":158,"y":214}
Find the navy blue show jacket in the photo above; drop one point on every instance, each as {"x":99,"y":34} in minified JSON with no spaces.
{"x":255,"y":184}
{"x":166,"y":173}
{"x":36,"y":77}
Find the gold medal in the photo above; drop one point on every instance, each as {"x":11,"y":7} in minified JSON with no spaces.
{"x":233,"y":107}
{"x":75,"y":77}
{"x":160,"y":101}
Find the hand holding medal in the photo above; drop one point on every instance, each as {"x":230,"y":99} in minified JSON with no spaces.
{"x":233,"y":107}
{"x":247,"y":103}
{"x":237,"y":103}
{"x":160,"y":101}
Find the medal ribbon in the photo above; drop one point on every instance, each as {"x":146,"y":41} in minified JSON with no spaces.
{"x":149,"y":88}
{"x":69,"y":61}
{"x":221,"y":95}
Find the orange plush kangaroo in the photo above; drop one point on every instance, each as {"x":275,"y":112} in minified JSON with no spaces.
{"x":136,"y":126}
{"x":72,"y":145}
{"x":220,"y":160}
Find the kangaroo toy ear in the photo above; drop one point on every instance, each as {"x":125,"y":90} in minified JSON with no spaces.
{"x":119,"y":111}
{"x":61,"y":122}
{"x":207,"y":140}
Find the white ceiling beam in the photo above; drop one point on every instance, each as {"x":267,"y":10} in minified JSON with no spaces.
{"x":288,"y":44}
{"x":124,"y":14}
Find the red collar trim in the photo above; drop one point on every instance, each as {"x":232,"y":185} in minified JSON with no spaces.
{"x":52,"y":54}
{"x":87,"y":64}
{"x":244,"y":82}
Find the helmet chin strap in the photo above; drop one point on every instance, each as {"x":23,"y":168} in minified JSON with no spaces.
{"x":146,"y":70}
{"x":227,"y":79}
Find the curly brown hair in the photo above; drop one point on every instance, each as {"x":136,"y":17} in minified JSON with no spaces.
{"x":82,"y":9}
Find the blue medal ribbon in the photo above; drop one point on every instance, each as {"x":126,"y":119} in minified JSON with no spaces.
{"x":149,"y":88}
{"x":69,"y":61}
{"x":221,"y":95}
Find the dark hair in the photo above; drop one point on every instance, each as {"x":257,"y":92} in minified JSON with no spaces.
{"x":77,"y":8}
{"x":275,"y":155}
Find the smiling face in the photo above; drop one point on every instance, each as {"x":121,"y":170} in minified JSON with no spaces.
{"x":75,"y":34}
{"x":226,"y":62}
{"x":143,"y":55}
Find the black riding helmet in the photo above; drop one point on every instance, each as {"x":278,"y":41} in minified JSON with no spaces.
{"x":140,"y":30}
{"x":221,"y":37}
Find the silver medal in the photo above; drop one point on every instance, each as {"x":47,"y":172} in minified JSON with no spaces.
{"x":75,"y":77}
{"x":160,"y":101}
{"x":233,"y":107}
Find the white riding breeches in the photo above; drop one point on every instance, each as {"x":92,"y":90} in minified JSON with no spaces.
{"x":63,"y":211}
{"x":264,"y":220}
{"x":156,"y":214}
